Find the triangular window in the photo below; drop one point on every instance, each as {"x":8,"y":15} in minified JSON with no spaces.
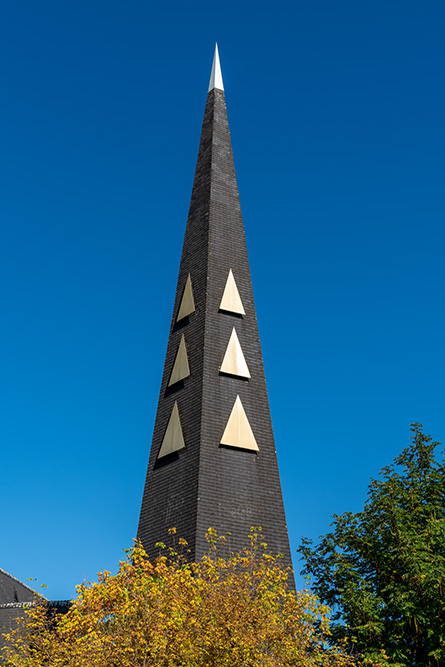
{"x":238,"y":432}
{"x":187,"y":306}
{"x":234,"y":362}
{"x":231,"y":300}
{"x":173,"y":439}
{"x":181,"y":368}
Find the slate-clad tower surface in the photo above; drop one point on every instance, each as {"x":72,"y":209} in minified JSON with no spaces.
{"x":204,"y":483}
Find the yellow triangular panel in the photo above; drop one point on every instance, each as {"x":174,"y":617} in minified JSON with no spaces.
{"x":181,"y":368}
{"x":173,"y":438}
{"x":238,"y":432}
{"x":231,"y":300}
{"x":234,"y":362}
{"x":187,"y":306}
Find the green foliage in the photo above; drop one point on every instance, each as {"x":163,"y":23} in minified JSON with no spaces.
{"x":383,"y":569}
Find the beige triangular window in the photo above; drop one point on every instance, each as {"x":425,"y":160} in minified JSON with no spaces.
{"x":231,"y":300}
{"x":173,"y":438}
{"x":238,"y":432}
{"x":181,"y":368}
{"x":234,"y":362}
{"x":187,"y":306}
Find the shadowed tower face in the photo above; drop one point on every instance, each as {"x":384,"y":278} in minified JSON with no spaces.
{"x":212,"y":460}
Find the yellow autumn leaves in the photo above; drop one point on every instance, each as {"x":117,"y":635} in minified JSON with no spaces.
{"x":218,"y":612}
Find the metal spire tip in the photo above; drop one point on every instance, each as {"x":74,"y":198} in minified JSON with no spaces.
{"x":216,"y":76}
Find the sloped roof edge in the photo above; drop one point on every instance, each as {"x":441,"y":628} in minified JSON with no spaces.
{"x":31,"y":590}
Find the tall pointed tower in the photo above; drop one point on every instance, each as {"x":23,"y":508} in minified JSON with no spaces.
{"x":213,"y":460}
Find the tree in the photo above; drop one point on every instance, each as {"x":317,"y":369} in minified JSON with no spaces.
{"x":214,"y":613}
{"x":383,"y":569}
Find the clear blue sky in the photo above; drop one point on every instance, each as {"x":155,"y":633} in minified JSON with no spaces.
{"x":337,"y":120}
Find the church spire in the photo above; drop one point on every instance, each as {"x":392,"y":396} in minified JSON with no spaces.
{"x":212,"y":461}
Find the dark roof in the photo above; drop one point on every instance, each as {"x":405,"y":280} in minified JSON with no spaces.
{"x":12,"y":612}
{"x":14,"y":591}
